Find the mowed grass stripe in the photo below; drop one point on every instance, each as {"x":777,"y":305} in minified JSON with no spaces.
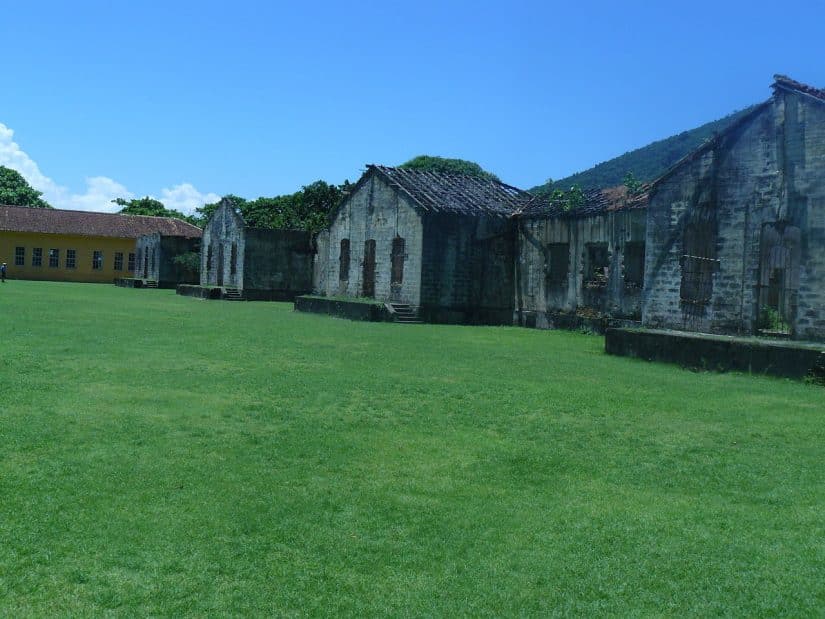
{"x":162,"y":455}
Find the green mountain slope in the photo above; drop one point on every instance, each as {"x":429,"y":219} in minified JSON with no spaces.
{"x":646,"y":163}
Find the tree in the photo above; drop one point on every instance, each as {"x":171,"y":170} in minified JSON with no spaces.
{"x":150,"y":206}
{"x":450,"y":166}
{"x":16,"y":191}
{"x":306,"y":209}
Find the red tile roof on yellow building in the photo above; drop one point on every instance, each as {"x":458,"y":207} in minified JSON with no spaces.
{"x":86,"y":223}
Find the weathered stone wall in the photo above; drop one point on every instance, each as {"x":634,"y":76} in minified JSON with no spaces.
{"x":224,"y":229}
{"x":374,"y":211}
{"x":767,"y":174}
{"x":467,"y":269}
{"x":540,"y":294}
{"x":170,"y":273}
{"x":147,"y":248}
{"x":320,"y":261}
{"x":277,"y":260}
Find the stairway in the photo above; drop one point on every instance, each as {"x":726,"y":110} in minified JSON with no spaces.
{"x":150,"y":283}
{"x":232,"y":294}
{"x":405,"y":314}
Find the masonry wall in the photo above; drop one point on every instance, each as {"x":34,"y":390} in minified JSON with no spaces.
{"x":764,"y":179}
{"x":277,"y":264}
{"x":156,"y":255}
{"x":467,"y":269}
{"x":224,"y":229}
{"x":374,"y":211}
{"x":542,"y":294}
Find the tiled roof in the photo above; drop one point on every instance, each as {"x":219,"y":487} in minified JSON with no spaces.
{"x":459,"y":194}
{"x":786,"y":83}
{"x":85,"y":223}
{"x":596,"y":201}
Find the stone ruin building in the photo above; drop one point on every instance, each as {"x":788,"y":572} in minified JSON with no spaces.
{"x":736,"y":230}
{"x":582,"y":262}
{"x":440,"y":243}
{"x":254,"y":263}
{"x":156,"y":255}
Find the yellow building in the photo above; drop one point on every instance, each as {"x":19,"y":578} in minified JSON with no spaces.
{"x":77,"y":246}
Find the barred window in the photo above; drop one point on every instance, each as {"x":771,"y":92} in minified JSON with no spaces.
{"x":54,"y":258}
{"x":19,"y":256}
{"x":699,"y":261}
{"x":37,"y":257}
{"x":131,"y":264}
{"x":97,"y":260}
{"x":118,"y":261}
{"x":397,"y":257}
{"x":71,"y":259}
{"x":343,"y":261}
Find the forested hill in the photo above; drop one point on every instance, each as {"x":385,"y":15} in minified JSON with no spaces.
{"x":646,"y":163}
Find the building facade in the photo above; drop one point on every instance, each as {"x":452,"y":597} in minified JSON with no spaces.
{"x":260,"y":264}
{"x":736,"y":231}
{"x":80,"y":246}
{"x":441,"y":243}
{"x":586,"y":261}
{"x":162,"y":259}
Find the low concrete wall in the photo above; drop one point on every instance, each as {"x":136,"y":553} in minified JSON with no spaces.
{"x":251,"y":294}
{"x":720,"y":353}
{"x":354,"y":310}
{"x":128,"y":282}
{"x":199,"y":292}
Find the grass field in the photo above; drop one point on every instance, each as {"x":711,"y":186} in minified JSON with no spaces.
{"x":168,"y":456}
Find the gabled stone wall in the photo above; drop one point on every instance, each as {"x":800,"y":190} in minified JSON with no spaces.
{"x":224,"y":230}
{"x":740,"y":226}
{"x":373,"y":212}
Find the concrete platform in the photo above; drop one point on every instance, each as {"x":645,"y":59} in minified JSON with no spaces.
{"x":371,"y":311}
{"x":786,"y":358}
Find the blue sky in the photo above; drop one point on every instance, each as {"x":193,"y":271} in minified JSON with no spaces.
{"x":186,"y":101}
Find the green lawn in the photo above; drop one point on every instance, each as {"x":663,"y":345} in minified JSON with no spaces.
{"x":168,"y":456}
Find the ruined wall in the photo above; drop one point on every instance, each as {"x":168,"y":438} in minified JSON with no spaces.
{"x":320,"y":260}
{"x":373,"y":212}
{"x":277,"y":264}
{"x":467,"y":273}
{"x":224,"y":230}
{"x":147,"y":249}
{"x":169,"y":272}
{"x":741,"y":226}
{"x":571,"y":264}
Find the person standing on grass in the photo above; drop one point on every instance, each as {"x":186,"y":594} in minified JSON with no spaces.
{"x":3,"y":272}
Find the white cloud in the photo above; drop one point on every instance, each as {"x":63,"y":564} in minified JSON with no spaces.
{"x":185,"y":198}
{"x":100,"y":190}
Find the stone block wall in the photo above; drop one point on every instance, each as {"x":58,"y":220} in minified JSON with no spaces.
{"x":224,"y":229}
{"x":467,"y":274}
{"x":374,"y":211}
{"x":277,"y":261}
{"x":768,"y":172}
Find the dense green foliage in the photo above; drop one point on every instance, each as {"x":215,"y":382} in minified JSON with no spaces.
{"x":306,"y":209}
{"x":451,"y":166}
{"x":150,"y":206}
{"x":243,"y":459}
{"x":16,"y":191}
{"x":645,"y":164}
